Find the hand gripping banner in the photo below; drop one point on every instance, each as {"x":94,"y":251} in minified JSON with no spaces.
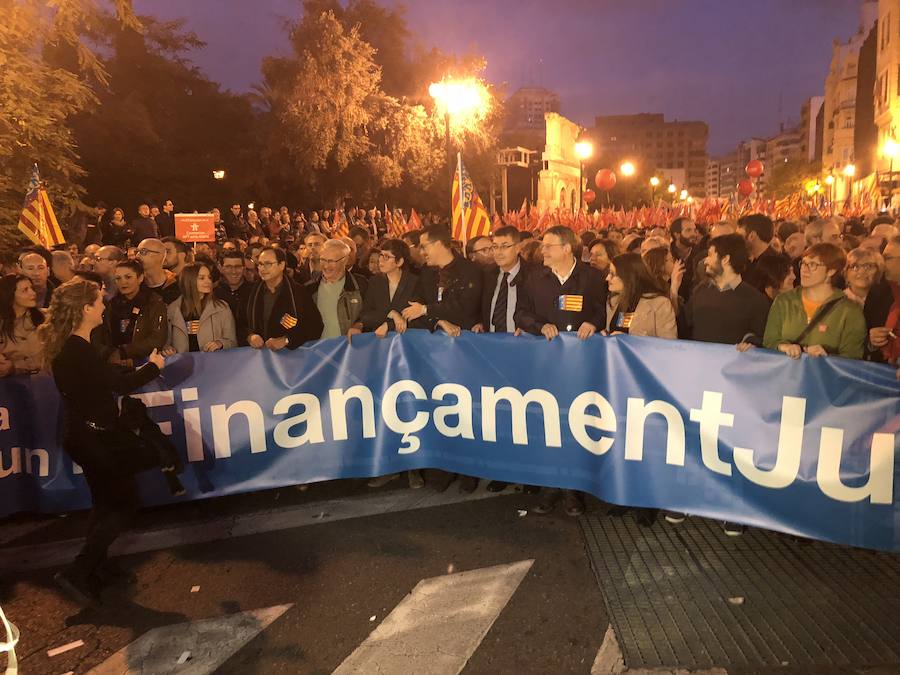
{"x":807,"y":447}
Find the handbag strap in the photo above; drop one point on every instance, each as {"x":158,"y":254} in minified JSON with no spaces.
{"x":817,"y":319}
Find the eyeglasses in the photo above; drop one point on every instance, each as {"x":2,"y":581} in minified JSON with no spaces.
{"x":328,"y":261}
{"x":862,"y":267}
{"x":811,"y":265}
{"x":500,"y":247}
{"x":891,"y":257}
{"x":387,"y":256}
{"x":148,"y":251}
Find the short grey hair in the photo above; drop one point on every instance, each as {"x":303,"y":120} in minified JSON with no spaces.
{"x":863,"y":255}
{"x":338,"y":245}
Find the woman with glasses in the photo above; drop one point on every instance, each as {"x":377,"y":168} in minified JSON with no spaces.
{"x":198,"y":320}
{"x":817,"y":318}
{"x":867,"y":287}
{"x":21,"y":351}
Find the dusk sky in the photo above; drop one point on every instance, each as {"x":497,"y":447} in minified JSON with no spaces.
{"x":727,"y":62}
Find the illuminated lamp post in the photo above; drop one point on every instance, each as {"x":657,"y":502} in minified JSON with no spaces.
{"x":583,"y":150}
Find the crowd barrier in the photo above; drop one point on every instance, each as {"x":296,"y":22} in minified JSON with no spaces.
{"x":805,"y":447}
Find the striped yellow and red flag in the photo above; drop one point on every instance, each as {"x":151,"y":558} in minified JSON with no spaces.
{"x":340,"y":226}
{"x":414,"y":222}
{"x":396,"y":225}
{"x":470,"y":218}
{"x":38,"y":222}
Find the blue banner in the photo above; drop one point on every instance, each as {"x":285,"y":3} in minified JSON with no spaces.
{"x":806,"y":447}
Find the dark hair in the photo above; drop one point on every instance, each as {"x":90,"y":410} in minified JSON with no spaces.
{"x":759,"y":224}
{"x":132,"y":265}
{"x":508,"y":231}
{"x":399,"y":249}
{"x":655,"y":262}
{"x":525,"y":235}
{"x":439,"y":233}
{"x":357,"y":231}
{"x":587,"y":237}
{"x":786,"y":229}
{"x":879,"y":220}
{"x":90,"y":275}
{"x":280,"y":255}
{"x":8,"y":285}
{"x":232,"y":253}
{"x":470,"y":245}
{"x":677,"y":225}
{"x":735,"y":247}
{"x":855,"y":227}
{"x":413,"y":237}
{"x":611,"y":249}
{"x":634,"y":245}
{"x":180,"y":246}
{"x":636,"y":281}
{"x":770,"y":272}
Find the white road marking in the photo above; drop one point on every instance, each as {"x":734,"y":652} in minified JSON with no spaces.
{"x":439,"y":625}
{"x":208,"y":643}
{"x":228,"y":527}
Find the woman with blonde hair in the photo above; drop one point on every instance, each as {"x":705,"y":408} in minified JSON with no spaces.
{"x":199,"y":321}
{"x":93,"y":435}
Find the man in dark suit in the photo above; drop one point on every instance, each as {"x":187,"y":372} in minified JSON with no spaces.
{"x":279,"y":313}
{"x":566,"y":295}
{"x":499,"y":295}
{"x":451,"y":287}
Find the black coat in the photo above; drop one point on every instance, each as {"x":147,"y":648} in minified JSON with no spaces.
{"x":876,"y":310}
{"x":378,"y":303}
{"x":293,"y":303}
{"x":165,"y":224}
{"x":538,"y":300}
{"x":491,"y":277}
{"x":452,"y":293}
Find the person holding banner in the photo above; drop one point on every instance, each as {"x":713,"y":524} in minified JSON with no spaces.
{"x":20,"y":350}
{"x":566,"y":295}
{"x":817,"y":318}
{"x":279,"y":313}
{"x":93,"y":436}
{"x":198,"y":320}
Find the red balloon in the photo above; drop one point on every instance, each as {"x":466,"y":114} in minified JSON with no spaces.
{"x":745,"y":187}
{"x":605,"y":180}
{"x":755,"y":168}
{"x":589,"y":196}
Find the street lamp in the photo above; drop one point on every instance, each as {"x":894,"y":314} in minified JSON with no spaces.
{"x":627,"y":169}
{"x":583,"y":150}
{"x":849,"y":172}
{"x":684,"y":195}
{"x":219,"y":174}
{"x":466,"y":100}
{"x":671,"y":189}
{"x":654,"y":183}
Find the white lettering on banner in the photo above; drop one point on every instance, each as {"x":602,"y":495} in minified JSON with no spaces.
{"x":579,"y":420}
{"x":411,"y":443}
{"x":221,"y":418}
{"x":790,"y":445}
{"x":461,"y":409}
{"x":518,"y":403}
{"x":711,"y":417}
{"x":338,"y":399}
{"x":880,"y":486}
{"x":636,"y":418}
{"x":311,"y":417}
{"x":15,"y":462}
{"x":299,"y":421}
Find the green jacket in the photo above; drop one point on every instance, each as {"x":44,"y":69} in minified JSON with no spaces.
{"x":842,"y":332}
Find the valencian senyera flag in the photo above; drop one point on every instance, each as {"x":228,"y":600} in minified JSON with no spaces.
{"x":470,"y":218}
{"x":38,"y":222}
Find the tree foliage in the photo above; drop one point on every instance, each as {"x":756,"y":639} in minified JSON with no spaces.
{"x":786,"y":178}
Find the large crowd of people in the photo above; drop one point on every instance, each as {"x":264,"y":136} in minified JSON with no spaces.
{"x":124,"y":293}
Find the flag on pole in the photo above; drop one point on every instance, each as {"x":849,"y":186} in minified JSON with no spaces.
{"x":470,"y":218}
{"x":396,"y":224}
{"x":340,"y":227}
{"x":38,"y":222}
{"x":414,"y":222}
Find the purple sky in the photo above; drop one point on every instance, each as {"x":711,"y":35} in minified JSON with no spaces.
{"x":727,"y":62}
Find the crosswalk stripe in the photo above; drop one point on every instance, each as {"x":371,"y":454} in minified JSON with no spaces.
{"x":195,"y":648}
{"x":439,"y":625}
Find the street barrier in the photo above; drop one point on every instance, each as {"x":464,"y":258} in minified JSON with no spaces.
{"x":805,"y":447}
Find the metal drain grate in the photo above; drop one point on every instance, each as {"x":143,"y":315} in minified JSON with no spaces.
{"x":672,"y":592}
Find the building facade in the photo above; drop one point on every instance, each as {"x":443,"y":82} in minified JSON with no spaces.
{"x":527,"y":106}
{"x":560,"y":169}
{"x":886,"y":97}
{"x":655,"y":145}
{"x":811,"y":129}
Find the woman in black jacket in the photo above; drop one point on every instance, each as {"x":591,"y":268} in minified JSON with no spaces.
{"x":92,"y":434}
{"x":390,"y":292}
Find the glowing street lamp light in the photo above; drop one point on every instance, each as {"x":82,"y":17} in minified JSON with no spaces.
{"x":219,"y":174}
{"x":850,"y":170}
{"x":627,"y":169}
{"x":684,"y":195}
{"x":829,"y":180}
{"x":672,"y":188}
{"x":654,"y":182}
{"x":467,"y":101}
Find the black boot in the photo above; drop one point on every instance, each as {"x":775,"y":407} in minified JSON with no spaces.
{"x":78,"y":587}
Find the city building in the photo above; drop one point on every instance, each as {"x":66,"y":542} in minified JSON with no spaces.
{"x":527,"y":106}
{"x":887,"y":91}
{"x":786,"y":146}
{"x":560,"y":169}
{"x":811,"y":128}
{"x":654,"y":145}
{"x":840,"y":105}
